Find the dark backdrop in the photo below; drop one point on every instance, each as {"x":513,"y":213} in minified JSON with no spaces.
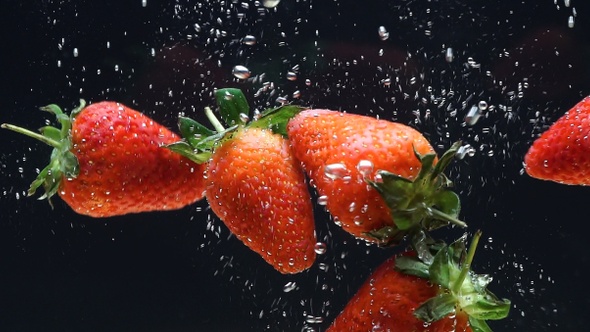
{"x":181,"y":270}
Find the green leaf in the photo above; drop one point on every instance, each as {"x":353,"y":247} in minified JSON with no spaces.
{"x":478,"y":325}
{"x":421,"y":242}
{"x":488,"y":306}
{"x":51,"y":133}
{"x":69,"y":165}
{"x":39,"y":180}
{"x":436,"y":308}
{"x":388,"y":235}
{"x":276,"y":119}
{"x":185,"y":149}
{"x":412,"y":266}
{"x":447,"y":202}
{"x":193,"y":131}
{"x":232,"y":103}
{"x":395,"y":190}
{"x":440,"y":270}
{"x":427,"y":161}
{"x":445,"y":160}
{"x":406,"y":220}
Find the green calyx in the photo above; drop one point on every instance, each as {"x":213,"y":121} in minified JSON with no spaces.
{"x":63,"y":163}
{"x":199,"y":141}
{"x":449,"y":266}
{"x":423,"y":203}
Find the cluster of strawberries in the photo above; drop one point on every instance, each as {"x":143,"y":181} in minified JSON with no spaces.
{"x":380,"y":180}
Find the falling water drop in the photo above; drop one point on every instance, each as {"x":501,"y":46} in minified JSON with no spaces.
{"x":241,"y":72}
{"x":270,"y":3}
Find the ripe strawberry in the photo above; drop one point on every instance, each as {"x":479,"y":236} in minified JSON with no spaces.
{"x":108,"y":161}
{"x":258,"y":189}
{"x":407,"y":294}
{"x":254,"y":184}
{"x":371,"y":170}
{"x":562,"y":153}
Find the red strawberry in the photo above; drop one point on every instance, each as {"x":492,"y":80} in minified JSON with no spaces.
{"x":258,"y":189}
{"x":562,"y":153}
{"x":369,"y":171}
{"x":108,"y":161}
{"x":254,"y":184}
{"x":406,"y":294}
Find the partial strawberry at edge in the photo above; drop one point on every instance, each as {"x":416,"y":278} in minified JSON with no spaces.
{"x":562,"y":153}
{"x":380,"y":178}
{"x":108,"y":160}
{"x":431,"y":289}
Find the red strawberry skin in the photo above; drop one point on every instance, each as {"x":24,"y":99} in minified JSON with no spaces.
{"x":386,"y":302}
{"x":562,"y":153}
{"x":258,"y":189}
{"x":323,"y":137}
{"x":123,"y":166}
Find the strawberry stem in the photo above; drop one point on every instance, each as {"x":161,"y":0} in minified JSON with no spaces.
{"x":466,"y":266}
{"x":27,"y":132}
{"x":213,"y":119}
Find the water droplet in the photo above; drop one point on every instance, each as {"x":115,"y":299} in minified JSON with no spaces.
{"x":378,"y":178}
{"x":383,"y":34}
{"x":320,"y":248}
{"x":241,"y":72}
{"x":244,"y":117}
{"x":482,"y":105}
{"x":323,"y":200}
{"x":358,"y":221}
{"x":449,"y":55}
{"x":291,"y":76}
{"x":144,"y":3}
{"x":308,"y":82}
{"x":465,"y":150}
{"x":249,"y":40}
{"x":365,"y":167}
{"x":314,"y":319}
{"x":270,"y":3}
{"x":297,"y":94}
{"x":570,"y":22}
{"x":291,"y":285}
{"x":75,"y":52}
{"x":335,"y":171}
{"x":473,"y":115}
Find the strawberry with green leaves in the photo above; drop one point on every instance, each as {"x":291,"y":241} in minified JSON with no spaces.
{"x":108,"y":160}
{"x":562,"y":153}
{"x":254,"y":184}
{"x":379,"y":179}
{"x":431,"y":290}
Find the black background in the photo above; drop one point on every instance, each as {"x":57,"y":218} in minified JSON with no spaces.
{"x":181,"y":270}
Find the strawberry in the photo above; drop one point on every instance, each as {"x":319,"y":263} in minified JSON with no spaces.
{"x":562,"y":153}
{"x":438,"y":293}
{"x":254,"y":184}
{"x":108,"y":161}
{"x":371,"y":171}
